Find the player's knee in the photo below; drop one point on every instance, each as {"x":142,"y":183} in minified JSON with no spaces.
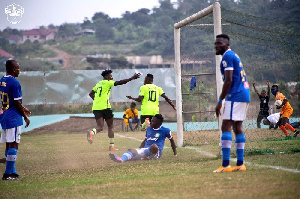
{"x":133,"y":151}
{"x":153,"y":148}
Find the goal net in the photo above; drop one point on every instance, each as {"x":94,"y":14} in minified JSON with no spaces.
{"x":199,"y":82}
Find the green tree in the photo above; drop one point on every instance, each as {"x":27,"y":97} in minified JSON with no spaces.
{"x":103,"y":31}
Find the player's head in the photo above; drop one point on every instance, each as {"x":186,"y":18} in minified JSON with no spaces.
{"x":221,"y":44}
{"x":156,"y":121}
{"x":148,"y":79}
{"x":274,"y":89}
{"x":132,"y":105}
{"x":107,"y":74}
{"x":12,"y":68}
{"x":263,"y":93}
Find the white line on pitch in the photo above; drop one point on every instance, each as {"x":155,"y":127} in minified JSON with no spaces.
{"x":231,"y":159}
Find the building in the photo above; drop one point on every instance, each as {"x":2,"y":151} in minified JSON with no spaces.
{"x":4,"y":56}
{"x":40,"y":35}
{"x":15,"y":39}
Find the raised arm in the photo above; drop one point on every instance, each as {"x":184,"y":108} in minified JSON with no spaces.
{"x":253,"y":83}
{"x":268,"y":84}
{"x":124,"y":81}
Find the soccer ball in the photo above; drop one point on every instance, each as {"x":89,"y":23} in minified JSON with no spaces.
{"x":278,"y":103}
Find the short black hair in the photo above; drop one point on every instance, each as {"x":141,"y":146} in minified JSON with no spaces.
{"x":159,"y":117}
{"x":133,"y":103}
{"x":149,"y":75}
{"x":275,"y":85}
{"x":263,"y":91}
{"x":106,"y":72}
{"x":223,"y":36}
{"x":10,"y":64}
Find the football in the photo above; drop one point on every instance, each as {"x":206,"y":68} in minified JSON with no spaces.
{"x":278,"y":103}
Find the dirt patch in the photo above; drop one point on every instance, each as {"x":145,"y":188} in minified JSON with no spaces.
{"x":75,"y":125}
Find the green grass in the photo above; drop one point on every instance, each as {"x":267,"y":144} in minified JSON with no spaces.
{"x":63,"y":165}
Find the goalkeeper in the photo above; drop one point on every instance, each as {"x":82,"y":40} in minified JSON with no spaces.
{"x":286,"y":111}
{"x":153,"y":144}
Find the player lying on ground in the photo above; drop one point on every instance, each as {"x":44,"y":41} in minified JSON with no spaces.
{"x":153,"y":144}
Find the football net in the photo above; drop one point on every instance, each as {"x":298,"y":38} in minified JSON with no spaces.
{"x":199,"y":82}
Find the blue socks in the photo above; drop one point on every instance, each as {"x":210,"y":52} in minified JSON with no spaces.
{"x":226,"y":141}
{"x":10,"y":161}
{"x":126,"y":156}
{"x":239,"y":146}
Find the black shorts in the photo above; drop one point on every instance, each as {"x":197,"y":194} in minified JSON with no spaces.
{"x":106,"y":114}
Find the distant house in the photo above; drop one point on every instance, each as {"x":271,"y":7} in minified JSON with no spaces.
{"x":15,"y":39}
{"x":4,"y":56}
{"x":40,"y":35}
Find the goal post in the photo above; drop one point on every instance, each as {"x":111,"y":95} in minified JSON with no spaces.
{"x":216,"y":10}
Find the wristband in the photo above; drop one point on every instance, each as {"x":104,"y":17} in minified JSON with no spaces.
{"x":220,"y":101}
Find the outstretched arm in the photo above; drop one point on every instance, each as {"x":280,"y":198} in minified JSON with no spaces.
{"x":168,"y":100}
{"x":124,"y":81}
{"x":138,"y":99}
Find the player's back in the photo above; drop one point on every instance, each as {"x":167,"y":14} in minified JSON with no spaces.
{"x":150,"y":103}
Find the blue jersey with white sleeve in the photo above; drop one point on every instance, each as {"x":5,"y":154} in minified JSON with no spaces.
{"x":158,"y":137}
{"x":10,"y":90}
{"x":239,"y":91}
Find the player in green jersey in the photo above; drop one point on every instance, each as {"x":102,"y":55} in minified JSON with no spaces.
{"x":101,"y":106}
{"x":149,"y":96}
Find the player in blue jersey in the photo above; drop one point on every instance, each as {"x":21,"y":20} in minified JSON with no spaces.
{"x":153,"y":144}
{"x":11,"y":114}
{"x":236,"y":93}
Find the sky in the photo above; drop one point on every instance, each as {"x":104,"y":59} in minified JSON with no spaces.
{"x":45,"y":12}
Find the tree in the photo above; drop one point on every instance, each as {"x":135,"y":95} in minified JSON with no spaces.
{"x":103,"y":31}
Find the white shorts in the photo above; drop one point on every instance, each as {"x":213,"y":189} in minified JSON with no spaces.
{"x":235,"y":111}
{"x":11,"y":135}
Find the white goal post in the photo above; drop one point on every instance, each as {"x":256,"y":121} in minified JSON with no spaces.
{"x":216,"y":10}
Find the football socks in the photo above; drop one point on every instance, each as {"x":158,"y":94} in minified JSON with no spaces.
{"x":239,"y":146}
{"x":226,"y":141}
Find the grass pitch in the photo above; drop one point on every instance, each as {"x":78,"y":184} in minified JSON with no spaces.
{"x":64,"y":165}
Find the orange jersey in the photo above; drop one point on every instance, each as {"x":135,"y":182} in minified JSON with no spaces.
{"x":286,"y":110}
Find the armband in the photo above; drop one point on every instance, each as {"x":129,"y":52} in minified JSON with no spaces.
{"x":220,"y":101}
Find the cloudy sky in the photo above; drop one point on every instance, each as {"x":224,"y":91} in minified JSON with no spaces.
{"x":57,"y":12}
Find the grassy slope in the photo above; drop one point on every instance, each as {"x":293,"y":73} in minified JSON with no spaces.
{"x":64,"y":165}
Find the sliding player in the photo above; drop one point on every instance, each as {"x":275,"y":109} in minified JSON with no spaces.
{"x":153,"y":144}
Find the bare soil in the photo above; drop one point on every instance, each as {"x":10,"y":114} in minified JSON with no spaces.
{"x":75,"y":125}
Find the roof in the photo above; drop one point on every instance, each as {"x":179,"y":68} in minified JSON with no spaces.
{"x":3,"y":53}
{"x":15,"y":38}
{"x":43,"y":32}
